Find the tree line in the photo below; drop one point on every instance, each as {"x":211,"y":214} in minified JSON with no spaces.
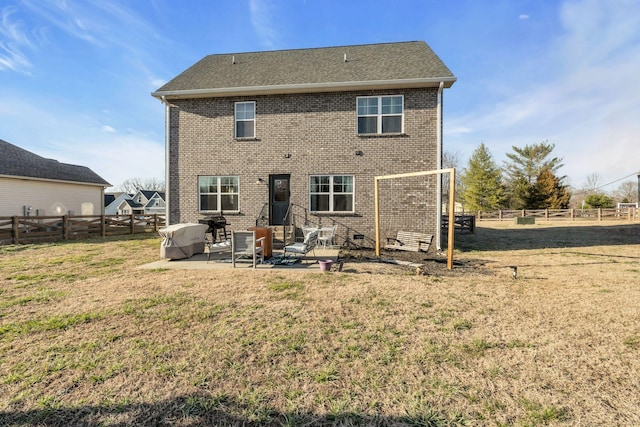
{"x":528,"y":179}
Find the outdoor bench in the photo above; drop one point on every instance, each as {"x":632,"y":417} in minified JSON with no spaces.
{"x":410,"y":241}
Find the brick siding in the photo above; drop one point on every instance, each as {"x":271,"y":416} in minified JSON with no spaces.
{"x":302,"y":135}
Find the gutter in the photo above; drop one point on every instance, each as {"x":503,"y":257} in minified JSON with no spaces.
{"x":304,"y":88}
{"x":167,"y":190}
{"x":439,"y":155}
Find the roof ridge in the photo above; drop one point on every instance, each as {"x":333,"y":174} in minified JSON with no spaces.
{"x":314,"y":48}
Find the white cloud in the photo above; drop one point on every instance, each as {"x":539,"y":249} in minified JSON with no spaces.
{"x":115,"y":156}
{"x":457,"y":129}
{"x":157,"y":83}
{"x":13,"y":40}
{"x":587,"y":105}
{"x":597,"y":31}
{"x":523,"y":16}
{"x":65,"y":15}
{"x":102,"y":24}
{"x":262,"y":19}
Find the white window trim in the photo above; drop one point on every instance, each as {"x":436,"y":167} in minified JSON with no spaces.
{"x":236,"y":120}
{"x":331,"y":193}
{"x":218,"y":193}
{"x":379,"y":115}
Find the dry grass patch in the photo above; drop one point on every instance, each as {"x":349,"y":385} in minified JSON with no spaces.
{"x":86,"y":338}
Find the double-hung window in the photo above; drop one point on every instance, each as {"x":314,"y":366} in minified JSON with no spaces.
{"x":245,"y":119}
{"x":218,"y":193}
{"x":380,"y":114}
{"x":331,"y":193}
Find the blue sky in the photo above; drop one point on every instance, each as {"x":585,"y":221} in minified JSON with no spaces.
{"x":76,"y":75}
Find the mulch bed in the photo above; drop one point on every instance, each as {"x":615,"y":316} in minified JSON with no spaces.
{"x":431,"y":263}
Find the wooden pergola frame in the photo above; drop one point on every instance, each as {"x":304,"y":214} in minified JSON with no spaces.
{"x":450,"y":229}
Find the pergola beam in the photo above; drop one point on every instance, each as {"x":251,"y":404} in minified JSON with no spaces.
{"x":451,"y":227}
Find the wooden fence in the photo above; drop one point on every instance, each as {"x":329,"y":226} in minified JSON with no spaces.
{"x":32,"y":229}
{"x":613,"y":214}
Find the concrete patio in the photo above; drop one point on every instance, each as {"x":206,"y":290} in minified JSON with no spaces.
{"x":223,"y":262}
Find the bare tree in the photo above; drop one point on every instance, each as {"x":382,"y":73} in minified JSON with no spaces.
{"x":592,"y":183}
{"x":627,"y":192}
{"x":450,"y":160}
{"x":133,"y":185}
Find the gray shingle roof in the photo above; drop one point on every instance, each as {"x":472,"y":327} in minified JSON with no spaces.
{"x":318,"y":69}
{"x":15,"y":161}
{"x":132,"y":203}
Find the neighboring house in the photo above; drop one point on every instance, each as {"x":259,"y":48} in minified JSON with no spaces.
{"x":108,"y":198}
{"x":306,"y":131}
{"x":111,"y":208}
{"x":31,"y":185}
{"x":143,"y":202}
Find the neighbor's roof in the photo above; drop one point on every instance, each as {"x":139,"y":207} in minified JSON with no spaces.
{"x":15,"y":161}
{"x":132,"y":203}
{"x":372,"y":66}
{"x":150,"y":193}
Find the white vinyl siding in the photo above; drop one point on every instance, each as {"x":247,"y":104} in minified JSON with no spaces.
{"x":49,"y":198}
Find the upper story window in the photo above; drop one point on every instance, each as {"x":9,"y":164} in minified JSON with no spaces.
{"x":218,"y":193}
{"x":331,"y":193}
{"x":246,"y":119}
{"x":380,"y":114}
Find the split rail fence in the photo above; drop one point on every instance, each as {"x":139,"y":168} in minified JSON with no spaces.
{"x":613,"y":214}
{"x":33,"y":229}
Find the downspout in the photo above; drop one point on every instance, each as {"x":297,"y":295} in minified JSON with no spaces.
{"x":439,"y":166}
{"x":167,"y":193}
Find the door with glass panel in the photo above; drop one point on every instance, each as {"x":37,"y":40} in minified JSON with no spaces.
{"x":279,"y":195}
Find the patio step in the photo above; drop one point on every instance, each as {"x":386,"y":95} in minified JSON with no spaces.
{"x":278,"y":235}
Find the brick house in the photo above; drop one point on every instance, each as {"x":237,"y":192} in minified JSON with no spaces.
{"x":297,"y":136}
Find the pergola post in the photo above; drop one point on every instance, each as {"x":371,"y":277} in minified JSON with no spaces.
{"x":452,"y":218}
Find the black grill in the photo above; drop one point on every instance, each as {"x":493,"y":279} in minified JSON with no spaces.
{"x":217,"y":227}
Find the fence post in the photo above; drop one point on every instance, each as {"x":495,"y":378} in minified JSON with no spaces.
{"x":103,"y":226}
{"x":14,"y":230}
{"x":599,"y":214}
{"x":65,"y":227}
{"x":546,"y":214}
{"x":155,"y":222}
{"x":132,"y":227}
{"x":500,"y":214}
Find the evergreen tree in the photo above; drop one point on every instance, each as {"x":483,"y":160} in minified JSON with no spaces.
{"x":519,"y":193}
{"x":522,"y":170}
{"x":548,"y":192}
{"x":481,"y":182}
{"x":599,"y":201}
{"x":529,"y":161}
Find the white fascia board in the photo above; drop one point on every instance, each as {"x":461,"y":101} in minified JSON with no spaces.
{"x":304,"y":88}
{"x":31,"y":178}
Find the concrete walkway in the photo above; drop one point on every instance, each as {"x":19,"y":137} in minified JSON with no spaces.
{"x":223,"y":262}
